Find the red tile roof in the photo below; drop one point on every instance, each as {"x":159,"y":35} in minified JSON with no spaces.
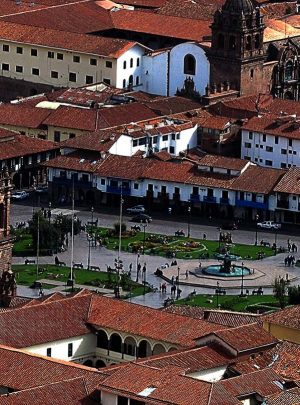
{"x":285,"y":126}
{"x":144,"y":321}
{"x":22,"y":116}
{"x":21,"y":145}
{"x":253,"y":337}
{"x":71,"y":41}
{"x":156,"y":24}
{"x":74,"y":161}
{"x":290,"y":182}
{"x":223,"y":162}
{"x":288,"y":317}
{"x":72,"y":117}
{"x":199,"y":9}
{"x":100,"y":141}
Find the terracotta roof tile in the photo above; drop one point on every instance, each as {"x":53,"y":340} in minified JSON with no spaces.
{"x":223,"y":162}
{"x":290,"y":182}
{"x":69,"y":40}
{"x":144,"y":321}
{"x":74,"y":161}
{"x":156,"y":24}
{"x":285,"y":126}
{"x":22,"y":116}
{"x":199,"y":9}
{"x":72,"y":117}
{"x":289,"y":317}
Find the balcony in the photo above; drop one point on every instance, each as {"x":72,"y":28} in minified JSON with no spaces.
{"x":224,"y":201}
{"x":117,"y":190}
{"x":210,"y":199}
{"x":252,"y":204}
{"x":194,"y":197}
{"x":68,"y":182}
{"x":283,"y":204}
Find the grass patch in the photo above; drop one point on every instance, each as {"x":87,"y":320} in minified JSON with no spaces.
{"x":231,"y":302}
{"x":26,"y":275}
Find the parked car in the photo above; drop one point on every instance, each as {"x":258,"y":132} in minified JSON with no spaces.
{"x":268,"y":225}
{"x":19,"y":195}
{"x":137,"y":209}
{"x":42,"y":189}
{"x":142,"y":218}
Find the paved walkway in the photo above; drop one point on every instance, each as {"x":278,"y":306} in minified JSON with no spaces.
{"x":100,"y":256}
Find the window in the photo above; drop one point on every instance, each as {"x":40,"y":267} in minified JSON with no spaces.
{"x":130,"y":80}
{"x":124,"y":83}
{"x":178,"y":136}
{"x":108,"y":64}
{"x":142,"y":141}
{"x":248,"y":42}
{"x":72,"y":77}
{"x":283,"y":151}
{"x":136,"y":186}
{"x":288,"y":74}
{"x":138,"y":62}
{"x":251,"y":73}
{"x":54,"y":74}
{"x":70,"y":349}
{"x":195,"y":190}
{"x":154,"y":139}
{"x":56,"y":136}
{"x":269,"y":163}
{"x":72,"y":135}
{"x":163,"y":189}
{"x":250,"y":135}
{"x":137,"y":80}
{"x":165,"y":137}
{"x":290,"y":143}
{"x":89,"y":79}
{"x":172,"y":150}
{"x":269,"y":149}
{"x":122,"y":401}
{"x":107,"y":81}
{"x":247,"y":145}
{"x":131,"y":62}
{"x":283,"y":165}
{"x":134,"y":142}
{"x":5,"y":48}
{"x":50,"y":54}
{"x":35,"y":71}
{"x":49,"y":352}
{"x":102,"y":182}
{"x":60,"y":56}
{"x":19,"y":49}
{"x":189,"y":65}
{"x":19,"y":69}
{"x":76,"y":58}
{"x":264,"y":137}
{"x":294,"y":152}
{"x":173,"y":137}
{"x":257,"y":41}
{"x":34,"y":52}
{"x":5,"y":66}
{"x":221,"y":41}
{"x":124,"y":64}
{"x":276,"y":140}
{"x":93,"y":62}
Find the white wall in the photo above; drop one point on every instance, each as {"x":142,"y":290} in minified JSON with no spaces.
{"x":211,"y":375}
{"x":134,"y":53}
{"x":82,"y":346}
{"x":177,"y":76}
{"x":155,"y":69}
{"x":257,"y":150}
{"x":108,"y":398}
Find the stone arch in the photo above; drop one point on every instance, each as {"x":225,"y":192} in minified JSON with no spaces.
{"x":288,"y":71}
{"x":257,"y":41}
{"x":130,"y":346}
{"x":144,"y":349}
{"x":172,"y":349}
{"x":159,"y":348}
{"x":102,"y":339}
{"x":189,"y":64}
{"x":88,"y":363}
{"x":100,"y":364}
{"x":115,"y":343}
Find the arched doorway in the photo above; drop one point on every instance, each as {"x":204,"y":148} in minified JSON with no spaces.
{"x":189,"y":65}
{"x":158,"y":349}
{"x":144,"y":349}
{"x":130,"y":346}
{"x":100,"y":364}
{"x":115,"y":343}
{"x":88,"y":363}
{"x":102,"y":339}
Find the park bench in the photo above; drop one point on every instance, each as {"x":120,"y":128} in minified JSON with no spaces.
{"x":259,"y":291}
{"x":220,"y":291}
{"x":29,"y":261}
{"x":77,"y":265}
{"x":95,"y":268}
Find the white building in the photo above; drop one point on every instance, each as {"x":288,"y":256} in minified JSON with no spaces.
{"x":272,"y":141}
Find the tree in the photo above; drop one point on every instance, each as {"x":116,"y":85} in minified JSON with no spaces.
{"x":294,"y":295}
{"x":48,"y":234}
{"x":280,"y":290}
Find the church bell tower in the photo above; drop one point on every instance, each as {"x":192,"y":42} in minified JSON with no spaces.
{"x":236,"y":56}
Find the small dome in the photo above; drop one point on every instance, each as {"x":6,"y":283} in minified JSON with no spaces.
{"x":237,"y":6}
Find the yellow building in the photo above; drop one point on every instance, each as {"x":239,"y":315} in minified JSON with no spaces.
{"x":285,"y":324}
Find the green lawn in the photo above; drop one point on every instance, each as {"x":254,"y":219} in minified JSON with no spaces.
{"x":26,"y":275}
{"x":232,"y":302}
{"x":183,"y":248}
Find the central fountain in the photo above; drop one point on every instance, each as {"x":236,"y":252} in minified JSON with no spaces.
{"x":226,"y":269}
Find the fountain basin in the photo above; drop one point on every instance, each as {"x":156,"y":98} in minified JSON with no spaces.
{"x":218,"y":270}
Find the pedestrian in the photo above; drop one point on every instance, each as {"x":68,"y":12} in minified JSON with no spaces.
{"x":200,"y":265}
{"x":172,"y":280}
{"x":186,"y":274}
{"x":204,"y":236}
{"x":178,"y":293}
{"x":160,"y":287}
{"x":176,"y":280}
{"x":130,"y":267}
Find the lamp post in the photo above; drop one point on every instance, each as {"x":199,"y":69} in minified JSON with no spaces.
{"x":242,"y":285}
{"x":256,"y":229}
{"x":137,"y":266}
{"x":189,"y":221}
{"x":275,"y":242}
{"x":217,"y":291}
{"x":144,"y":238}
{"x":49,"y":212}
{"x":144,"y":277}
{"x":90,"y":238}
